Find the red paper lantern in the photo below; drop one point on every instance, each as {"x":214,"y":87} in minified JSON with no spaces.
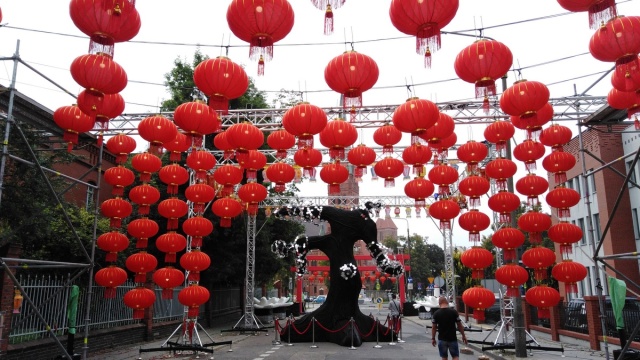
{"x":508,"y":239}
{"x":524,"y":98}
{"x":173,"y":175}
{"x":144,"y":196}
{"x":197,"y":227}
{"x":171,"y":243}
{"x":361,"y":156}
{"x":442,"y":129}
{"x":112,"y":242}
{"x":192,"y":297}
{"x":529,"y":152}
{"x":199,"y":195}
{"x":441,"y":146}
{"x":599,"y":10}
{"x":444,"y":210}
{"x":532,"y":186}
{"x":73,"y":121}
{"x":563,"y":199}
{"x":386,"y":136}
{"x":472,"y":152}
{"x":157,"y":130}
{"x":504,"y":203}
{"x":201,"y":161}
{"x":168,"y":278}
{"x":389,"y":169}
{"x":110,"y":278}
{"x":351,"y":74}
{"x":252,"y":194}
{"x":195,"y":261}
{"x":119,"y":177}
{"x":142,"y":229}
{"x":308,"y":159}
{"x":539,"y":259}
{"x":172,"y":209}
{"x":260,"y":23}
{"x":281,"y":141}
{"x":303,"y":121}
{"x":533,"y":124}
{"x":244,"y":137}
{"x":534,"y":223}
{"x":338,"y":135}
{"x":474,"y":222}
{"x":512,"y":276}
{"x":140,"y":264}
{"x":423,"y":19}
{"x":221,"y":80}
{"x":121,"y":145}
{"x":417,"y":155}
{"x":618,"y":41}
{"x":477,"y":259}
{"x":558,"y":163}
{"x":570,"y":273}
{"x":474,"y":186}
{"x":139,"y":299}
{"x":555,"y":136}
{"x":146,"y":164}
{"x":499,"y":133}
{"x":478,"y":298}
{"x":228,"y":176}
{"x":221,"y":143}
{"x":628,"y":80}
{"x":101,"y":107}
{"x":328,"y":6}
{"x":501,"y":169}
{"x":98,"y":74}
{"x":116,"y":210}
{"x":629,"y":101}
{"x":443,"y":176}
{"x":252,"y":162}
{"x":225,"y":209}
{"x":565,"y":234}
{"x":415,"y":116}
{"x":543,"y":297}
{"x":280,"y":174}
{"x":197,"y":119}
{"x":334,"y":175}
{"x":419,"y":189}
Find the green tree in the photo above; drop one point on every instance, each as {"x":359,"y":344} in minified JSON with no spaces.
{"x":179,"y":82}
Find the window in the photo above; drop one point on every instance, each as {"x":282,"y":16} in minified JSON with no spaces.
{"x":591,"y":184}
{"x":584,"y":233}
{"x":597,"y":231}
{"x":632,"y":178}
{"x":569,"y":184}
{"x":88,"y":203}
{"x":576,"y":184}
{"x":587,"y":283}
{"x":636,"y":226}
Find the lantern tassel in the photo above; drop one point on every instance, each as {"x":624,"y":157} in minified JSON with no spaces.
{"x":172,"y":224}
{"x":535,"y":237}
{"x":389,"y":183}
{"x":279,"y":188}
{"x":571,"y":288}
{"x":261,"y":66}
{"x":540,"y":273}
{"x":544,"y":313}
{"x":167,"y":294}
{"x":512,"y":292}
{"x":328,"y":21}
{"x":143,"y":209}
{"x":194,"y":276}
{"x":117,"y":191}
{"x":602,"y":11}
{"x":474,"y":236}
{"x":140,"y":277}
{"x":636,"y":122}
{"x":566,"y":249}
{"x":505,"y":217}
{"x":111,"y":256}
{"x":225,"y":222}
{"x":445,"y":224}
{"x":196,"y":241}
{"x":175,"y":156}
{"x":219,"y":103}
{"x":193,"y":311}
{"x":478,"y":314}
{"x":170,"y":257}
{"x":427,"y":59}
{"x":142,"y":243}
{"x":334,"y":189}
{"x":138,"y":314}
{"x":485,"y":105}
{"x":563,"y":212}
{"x":560,"y":177}
{"x":477,"y":274}
{"x":109,"y":293}
{"x":115,"y":223}
{"x":508,"y":254}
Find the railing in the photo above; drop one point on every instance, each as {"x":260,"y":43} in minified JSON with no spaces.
{"x":573,"y":317}
{"x":535,"y":320}
{"x":630,"y":316}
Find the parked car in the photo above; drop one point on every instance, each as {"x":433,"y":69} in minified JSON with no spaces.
{"x":320,"y":299}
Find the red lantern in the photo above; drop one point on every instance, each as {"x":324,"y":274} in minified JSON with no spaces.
{"x":481,"y":63}
{"x":221,"y":80}
{"x":386,"y":136}
{"x":472,"y":152}
{"x":244,"y":137}
{"x":559,"y":162}
{"x":199,"y":195}
{"x":543,"y":297}
{"x":142,"y":229}
{"x":501,"y":169}
{"x":119,"y":177}
{"x":417,"y":155}
{"x":569,"y":272}
{"x":533,"y":125}
{"x":629,"y":101}
{"x":112,"y":242}
{"x":539,"y":259}
{"x":157,"y":130}
{"x":512,"y":276}
{"x":252,"y":194}
{"x":508,"y":239}
{"x":221,"y":143}
{"x":529,"y":152}
{"x":441,"y":147}
{"x":442,"y":129}
{"x":110,"y":278}
{"x":338,"y":135}
{"x":504,"y":203}
{"x":281,"y":141}
{"x":177,"y":146}
{"x":146,"y":164}
{"x":629,"y":80}
{"x":419,"y":189}
{"x":228,"y":176}
{"x":443,"y":176}
{"x":168,"y":278}
{"x":171,"y":243}
{"x":562,"y":199}
{"x":173,"y":175}
{"x":260,"y":23}
{"x":524,"y":98}
{"x":144,"y":196}
{"x":444,"y":210}
{"x":195,"y":261}
{"x":303,"y":121}
{"x":100,"y":107}
{"x":532,"y":186}
{"x":478,"y":298}
{"x":172,"y":209}
{"x":361,"y":156}
{"x":415,"y":116}
{"x":334,"y":175}
{"x":252,"y":162}
{"x":474,"y":186}
{"x":197,"y":119}
{"x":99,"y":74}
{"x":534,"y":223}
{"x":393,"y":279}
{"x":477,"y":259}
{"x":280,"y":174}
{"x":351,"y":74}
{"x":499,"y":133}
{"x":618,"y":41}
{"x":141,"y":263}
{"x":389,"y":169}
{"x":565,"y":234}
{"x":474,"y":222}
{"x":423,"y":19}
{"x":308,"y":159}
{"x":201,"y":161}
{"x":139,"y":299}
{"x":225,"y":209}
{"x":192,"y":297}
{"x":599,"y":10}
{"x":121,"y":145}
{"x":116,"y":210}
{"x":73,"y":121}
{"x":197,"y":227}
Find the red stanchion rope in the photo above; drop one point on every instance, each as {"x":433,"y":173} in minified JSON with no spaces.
{"x":293,"y":326}
{"x":370,"y":331}
{"x":333,"y":331}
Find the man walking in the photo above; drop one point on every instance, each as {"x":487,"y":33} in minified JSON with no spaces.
{"x":394,"y":312}
{"x":445,"y":320}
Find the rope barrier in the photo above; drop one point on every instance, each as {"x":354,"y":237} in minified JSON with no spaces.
{"x":293,"y":326}
{"x":370,"y":331}
{"x":333,"y":331}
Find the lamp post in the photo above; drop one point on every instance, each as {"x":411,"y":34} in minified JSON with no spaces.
{"x":408,"y":251}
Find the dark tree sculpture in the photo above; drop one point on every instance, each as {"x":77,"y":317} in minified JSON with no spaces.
{"x":341,"y":305}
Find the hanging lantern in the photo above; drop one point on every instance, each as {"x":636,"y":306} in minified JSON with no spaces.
{"x":110,"y":278}
{"x":181,"y":143}
{"x":142,"y":229}
{"x":328,"y":6}
{"x":629,"y":80}
{"x":499,"y":133}
{"x":361,"y":156}
{"x":139,"y":299}
{"x":512,"y":276}
{"x":417,"y":155}
{"x":618,"y":41}
{"x":389,"y":169}
{"x":532,"y":186}
{"x":474,"y":186}
{"x":144,"y":196}
{"x":228,"y":176}
{"x":444,"y":210}
{"x":192,"y":297}
{"x":280,"y":174}
{"x":173,"y":176}
{"x":221,"y":80}
{"x":599,"y":10}
{"x":197,"y":227}
{"x":482,"y":63}
{"x":146,"y":164}
{"x":423,"y":19}
{"x":140,"y":264}
{"x":471,"y":153}
{"x":570,"y":273}
{"x":157,"y":130}
{"x":443,"y":176}
{"x":478,"y":298}
{"x":244,"y":137}
{"x":252,"y":194}
{"x":629,"y":101}
{"x":195,"y":261}
{"x":565,"y":234}
{"x":338,"y":135}
{"x":99,"y":74}
{"x":221,"y":143}
{"x":171,"y":243}
{"x":73,"y":121}
{"x":508,"y":239}
{"x":119,"y":177}
{"x":533,"y":124}
{"x":167,"y":279}
{"x":351,"y":74}
{"x":539,"y":259}
{"x":252,"y":162}
{"x":419,"y":189}
{"x":504,"y":203}
{"x":524,"y":98}
{"x":112,"y":242}
{"x":116,"y":209}
{"x":334,"y":175}
{"x":201,"y":161}
{"x":121,"y":145}
{"x":555,"y":136}
{"x":101,"y":108}
{"x":260,"y":23}
{"x":501,"y":169}
{"x":172,"y":209}
{"x":226,"y":209}
{"x":477,"y":259}
{"x":386,"y":136}
{"x":199,"y":195}
{"x":308,"y":159}
{"x":543,"y":297}
{"x":558,"y":163}
{"x":197,"y":119}
{"x":281,"y":141}
{"x":474,"y":222}
{"x":303,"y":121}
{"x":442,"y":129}
{"x":534,"y":223}
{"x":415,"y":116}
{"x":529,"y":152}
{"x":563,"y":199}
{"x":441,"y":147}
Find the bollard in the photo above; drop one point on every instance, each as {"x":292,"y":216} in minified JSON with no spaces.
{"x":392,"y":343}
{"x":290,"y":329}
{"x":313,"y":333}
{"x":352,"y":326}
{"x":400,"y":330}
{"x":377,"y":324}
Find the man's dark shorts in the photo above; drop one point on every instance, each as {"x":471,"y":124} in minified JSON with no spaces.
{"x":448,"y":346}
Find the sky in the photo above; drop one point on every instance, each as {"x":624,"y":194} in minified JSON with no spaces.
{"x":548,"y":44}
